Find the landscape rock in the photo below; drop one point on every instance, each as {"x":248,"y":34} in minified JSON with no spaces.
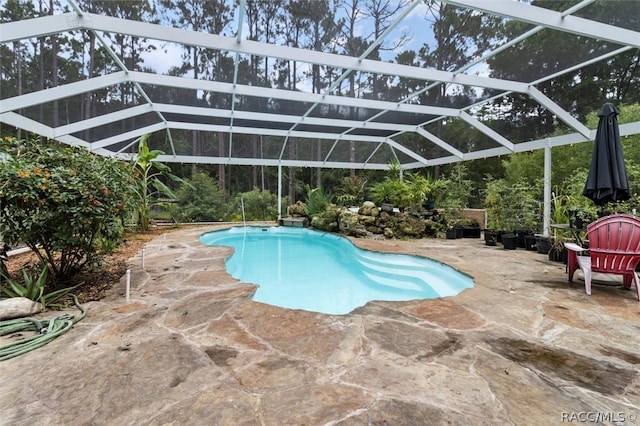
{"x":18,"y":307}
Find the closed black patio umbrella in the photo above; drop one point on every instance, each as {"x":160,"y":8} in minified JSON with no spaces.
{"x":607,"y":180}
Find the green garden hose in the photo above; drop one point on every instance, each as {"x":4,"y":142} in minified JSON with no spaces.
{"x":47,"y":330}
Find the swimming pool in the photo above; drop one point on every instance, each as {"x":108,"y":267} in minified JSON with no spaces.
{"x":323,"y":272}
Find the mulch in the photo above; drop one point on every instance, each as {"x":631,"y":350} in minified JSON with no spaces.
{"x":94,"y":282}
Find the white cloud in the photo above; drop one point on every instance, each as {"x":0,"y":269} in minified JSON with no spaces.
{"x":167,"y":55}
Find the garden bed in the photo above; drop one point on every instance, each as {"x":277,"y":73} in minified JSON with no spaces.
{"x":96,"y":281}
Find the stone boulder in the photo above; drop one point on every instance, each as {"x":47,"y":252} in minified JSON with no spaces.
{"x":297,"y":210}
{"x":369,"y":209}
{"x":409,"y":225}
{"x":18,"y":307}
{"x":349,"y":224}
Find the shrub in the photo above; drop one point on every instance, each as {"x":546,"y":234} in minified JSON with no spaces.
{"x":351,"y":191}
{"x":60,"y":201}
{"x":317,"y":201}
{"x":513,"y":206}
{"x":199,"y":200}
{"x":258,"y":205}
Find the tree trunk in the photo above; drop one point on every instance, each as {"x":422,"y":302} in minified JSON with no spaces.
{"x":221,"y":170}
{"x":319,"y":170}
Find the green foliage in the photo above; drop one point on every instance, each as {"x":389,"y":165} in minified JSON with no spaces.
{"x":494,"y":203}
{"x":351,"y":191}
{"x":422,"y":188}
{"x":317,"y":201}
{"x":559,"y":207}
{"x":410,"y":192}
{"x":567,"y":160}
{"x":394,"y":171}
{"x":382,"y":192}
{"x":199,"y":200}
{"x":392,"y":189}
{"x":326,"y":220}
{"x":513,"y":206}
{"x":60,"y":200}
{"x":401,"y":195}
{"x":523,"y":206}
{"x":148,"y":186}
{"x":258,"y":205}
{"x":457,"y":188}
{"x":33,"y":287}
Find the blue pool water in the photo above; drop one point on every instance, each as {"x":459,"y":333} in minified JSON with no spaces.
{"x":322,"y":272}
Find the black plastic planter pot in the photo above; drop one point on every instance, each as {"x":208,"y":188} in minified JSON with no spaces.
{"x":509,"y":241}
{"x":558,"y":255}
{"x":543,"y":244}
{"x":520,"y":236}
{"x":530,"y":242}
{"x":452,"y":234}
{"x":490,"y":237}
{"x":471,"y":232}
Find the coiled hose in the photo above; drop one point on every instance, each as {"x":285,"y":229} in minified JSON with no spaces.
{"x":47,"y":331}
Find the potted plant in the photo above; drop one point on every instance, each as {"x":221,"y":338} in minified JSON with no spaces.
{"x":452,"y":233}
{"x":494,"y":203}
{"x":401,"y":195}
{"x":557,"y":251}
{"x":381,"y":194}
{"x":524,"y":211}
{"x":490,"y":237}
{"x":581,"y":211}
{"x":425,"y":190}
{"x":469,"y":228}
{"x":393,"y":190}
{"x":451,"y":217}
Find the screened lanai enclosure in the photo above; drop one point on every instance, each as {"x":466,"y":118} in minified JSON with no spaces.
{"x":334,"y":84}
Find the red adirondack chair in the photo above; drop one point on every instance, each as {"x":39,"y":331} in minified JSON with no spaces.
{"x":614,"y":248}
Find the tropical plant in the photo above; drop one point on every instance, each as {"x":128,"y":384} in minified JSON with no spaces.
{"x":393,"y":189}
{"x":401,"y":195}
{"x":148,"y":186}
{"x":425,"y":188}
{"x":559,"y":211}
{"x":59,"y":200}
{"x":382,"y":192}
{"x":33,"y":287}
{"x":523,"y":207}
{"x":351,"y":191}
{"x":394,"y":170}
{"x":317,"y":201}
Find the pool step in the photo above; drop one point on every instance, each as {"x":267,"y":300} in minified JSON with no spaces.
{"x":405,"y":273}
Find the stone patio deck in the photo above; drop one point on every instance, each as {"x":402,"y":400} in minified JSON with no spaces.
{"x":521,"y":347}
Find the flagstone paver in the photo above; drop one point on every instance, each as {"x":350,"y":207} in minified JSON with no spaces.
{"x":191,"y":347}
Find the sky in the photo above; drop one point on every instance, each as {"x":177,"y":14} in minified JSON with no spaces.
{"x":162,"y":59}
